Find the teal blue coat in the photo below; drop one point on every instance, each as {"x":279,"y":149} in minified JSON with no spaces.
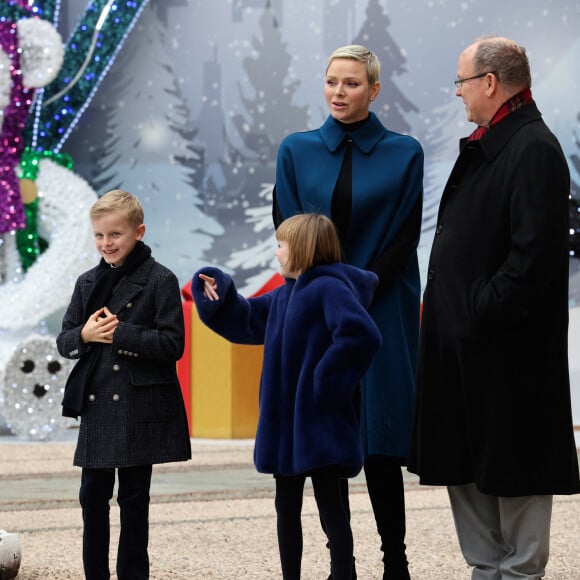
{"x":387,"y":189}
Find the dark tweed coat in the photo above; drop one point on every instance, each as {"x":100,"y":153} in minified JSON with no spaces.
{"x":493,"y":398}
{"x":133,"y":412}
{"x":318,"y":342}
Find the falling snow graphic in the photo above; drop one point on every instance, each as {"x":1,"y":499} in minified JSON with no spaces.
{"x":243,"y":75}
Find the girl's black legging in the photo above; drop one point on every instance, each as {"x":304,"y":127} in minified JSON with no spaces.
{"x":289,"y":494}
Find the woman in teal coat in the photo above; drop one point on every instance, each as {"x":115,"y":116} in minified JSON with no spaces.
{"x":368,"y":180}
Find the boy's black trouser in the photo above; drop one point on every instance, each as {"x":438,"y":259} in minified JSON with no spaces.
{"x":133,"y":499}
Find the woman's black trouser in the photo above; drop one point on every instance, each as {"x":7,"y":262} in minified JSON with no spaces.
{"x":386,"y":491}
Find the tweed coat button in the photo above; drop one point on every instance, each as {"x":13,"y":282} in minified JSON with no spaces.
{"x":92,"y":398}
{"x":116,"y":368}
{"x":116,"y":397}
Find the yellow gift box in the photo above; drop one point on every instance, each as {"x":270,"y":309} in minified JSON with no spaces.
{"x":225,"y":378}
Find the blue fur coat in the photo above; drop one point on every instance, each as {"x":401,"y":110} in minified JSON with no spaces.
{"x":318,"y":342}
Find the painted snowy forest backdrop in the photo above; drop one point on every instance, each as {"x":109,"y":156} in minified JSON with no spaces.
{"x":191,"y":113}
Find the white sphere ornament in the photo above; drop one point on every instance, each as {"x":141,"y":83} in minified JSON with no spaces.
{"x":10,"y":555}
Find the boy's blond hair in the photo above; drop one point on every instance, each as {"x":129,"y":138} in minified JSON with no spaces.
{"x":121,"y":201}
{"x":312,"y":240}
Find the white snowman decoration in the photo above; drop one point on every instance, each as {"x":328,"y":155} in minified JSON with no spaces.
{"x":34,"y":379}
{"x":30,"y":401}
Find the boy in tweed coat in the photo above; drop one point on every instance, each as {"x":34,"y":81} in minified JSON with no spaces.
{"x":125,"y":326}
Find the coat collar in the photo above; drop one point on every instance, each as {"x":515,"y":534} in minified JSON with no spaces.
{"x":129,"y":287}
{"x":365,"y":137}
{"x":497,"y":138}
{"x":132,"y":285}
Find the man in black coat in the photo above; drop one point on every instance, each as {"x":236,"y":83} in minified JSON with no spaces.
{"x":493,"y":418}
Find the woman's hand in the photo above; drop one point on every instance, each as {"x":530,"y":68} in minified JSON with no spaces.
{"x":209,"y":287}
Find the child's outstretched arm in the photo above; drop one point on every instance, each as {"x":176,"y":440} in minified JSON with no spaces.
{"x":227,"y":312}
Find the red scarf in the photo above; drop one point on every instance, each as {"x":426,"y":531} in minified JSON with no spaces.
{"x":511,"y":105}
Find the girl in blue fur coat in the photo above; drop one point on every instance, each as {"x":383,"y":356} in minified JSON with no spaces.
{"x":318,"y":342}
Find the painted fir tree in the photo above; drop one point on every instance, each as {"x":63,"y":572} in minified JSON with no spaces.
{"x":191,"y":156}
{"x":391,"y":105}
{"x":269,"y":113}
{"x":149,"y":151}
{"x":268,"y":116}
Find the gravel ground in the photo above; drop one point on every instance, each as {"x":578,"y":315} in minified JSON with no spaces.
{"x":229,"y":532}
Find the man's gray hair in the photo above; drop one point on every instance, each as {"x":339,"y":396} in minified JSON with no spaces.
{"x":507,"y":60}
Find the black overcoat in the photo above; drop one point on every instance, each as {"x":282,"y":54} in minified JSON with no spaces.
{"x":493,"y":401}
{"x":133,"y":411}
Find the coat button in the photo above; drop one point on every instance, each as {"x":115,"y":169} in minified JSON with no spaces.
{"x":116,"y":368}
{"x":129,"y":305}
{"x":92,"y":398}
{"x":431,"y":274}
{"x":116,"y":397}
{"x":439,"y":229}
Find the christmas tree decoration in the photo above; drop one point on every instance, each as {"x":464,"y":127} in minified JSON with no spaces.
{"x":31,"y":56}
{"x":90,"y":53}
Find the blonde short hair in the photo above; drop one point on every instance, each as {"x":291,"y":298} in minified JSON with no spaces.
{"x":312,"y":240}
{"x":121,"y":201}
{"x":362,"y":54}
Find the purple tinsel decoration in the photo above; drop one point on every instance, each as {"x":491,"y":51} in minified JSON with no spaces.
{"x":24,"y":3}
{"x":12,"y":216}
